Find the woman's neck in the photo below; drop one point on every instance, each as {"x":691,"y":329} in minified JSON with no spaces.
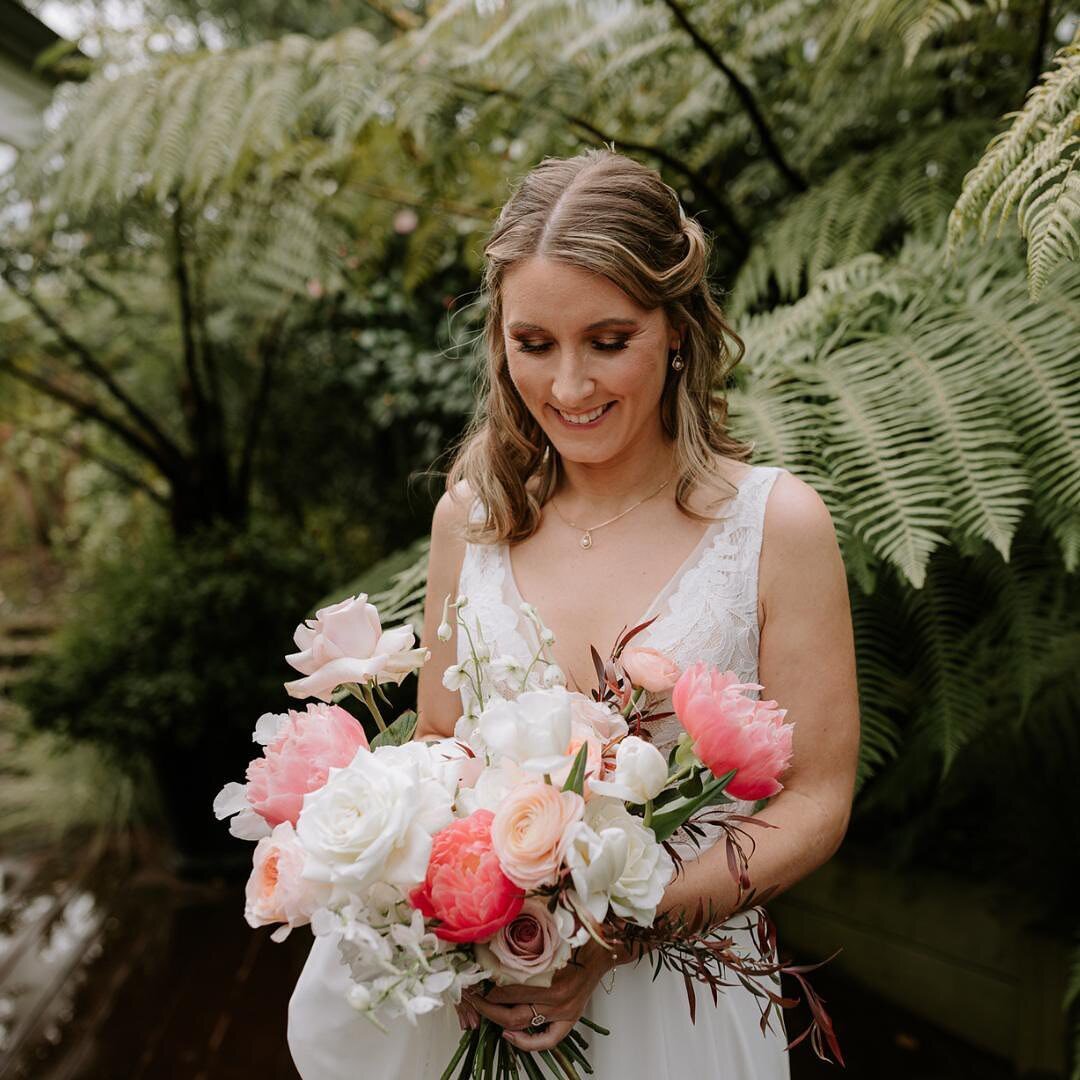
{"x":609,"y":487}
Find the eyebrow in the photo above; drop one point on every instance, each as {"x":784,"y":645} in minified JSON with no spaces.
{"x":599,"y":325}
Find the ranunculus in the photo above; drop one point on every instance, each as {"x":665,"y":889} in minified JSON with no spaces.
{"x":649,"y":668}
{"x":346,"y":643}
{"x":299,"y":750}
{"x":373,"y":820}
{"x":465,"y":887}
{"x":640,"y":772}
{"x":734,"y":731}
{"x":647,"y":869}
{"x":530,"y":949}
{"x":529,"y":831}
{"x":532,"y":730}
{"x":275,"y":891}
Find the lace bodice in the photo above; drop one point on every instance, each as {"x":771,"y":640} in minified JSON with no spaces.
{"x":707,"y":611}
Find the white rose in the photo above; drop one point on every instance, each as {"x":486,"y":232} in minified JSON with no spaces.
{"x":640,"y":772}
{"x":492,"y":786}
{"x":648,"y":867}
{"x":596,"y":860}
{"x":345,"y":643}
{"x":532,"y":730}
{"x":373,"y":820}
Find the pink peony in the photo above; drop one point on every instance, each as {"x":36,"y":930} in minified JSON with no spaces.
{"x":649,"y":668}
{"x":529,"y":831}
{"x":275,"y":891}
{"x":298,"y":760}
{"x":734,"y":731}
{"x":345,"y":643}
{"x":465,"y":887}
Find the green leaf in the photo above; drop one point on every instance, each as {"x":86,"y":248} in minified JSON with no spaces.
{"x":576,"y":780}
{"x":397,"y":733}
{"x":712,"y":794}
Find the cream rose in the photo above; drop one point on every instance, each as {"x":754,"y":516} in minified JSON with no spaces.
{"x":528,"y":832}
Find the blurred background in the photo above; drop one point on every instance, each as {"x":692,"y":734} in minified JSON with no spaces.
{"x":239,"y":258}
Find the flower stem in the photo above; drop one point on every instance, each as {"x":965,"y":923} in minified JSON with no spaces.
{"x":368,"y":698}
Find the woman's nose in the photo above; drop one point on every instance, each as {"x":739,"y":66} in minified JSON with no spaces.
{"x":573,"y":385}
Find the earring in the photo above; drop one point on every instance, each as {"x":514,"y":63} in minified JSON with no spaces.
{"x":678,"y":364}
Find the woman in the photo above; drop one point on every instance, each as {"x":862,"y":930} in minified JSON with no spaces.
{"x":600,"y":457}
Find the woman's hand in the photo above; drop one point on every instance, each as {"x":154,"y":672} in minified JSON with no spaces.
{"x":562,"y":1003}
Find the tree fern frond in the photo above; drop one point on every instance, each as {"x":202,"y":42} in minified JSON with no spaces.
{"x":1039,"y":152}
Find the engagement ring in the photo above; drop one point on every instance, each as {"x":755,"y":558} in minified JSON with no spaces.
{"x":538,"y":1020}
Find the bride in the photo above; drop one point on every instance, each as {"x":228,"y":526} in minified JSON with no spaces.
{"x":599,"y":484}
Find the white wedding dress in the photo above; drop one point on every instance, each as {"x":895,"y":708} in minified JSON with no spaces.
{"x":708,"y":611}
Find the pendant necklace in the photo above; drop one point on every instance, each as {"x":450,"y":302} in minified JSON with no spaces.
{"x":586,"y":539}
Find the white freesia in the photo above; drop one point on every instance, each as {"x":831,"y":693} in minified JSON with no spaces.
{"x":533,"y":730}
{"x":648,"y":867}
{"x":373,"y":820}
{"x":640,"y":772}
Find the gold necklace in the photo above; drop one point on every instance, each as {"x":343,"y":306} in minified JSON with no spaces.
{"x":586,"y":539}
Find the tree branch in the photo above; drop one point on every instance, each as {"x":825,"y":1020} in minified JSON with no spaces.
{"x":90,"y":409}
{"x":187,"y":320}
{"x":742,"y":92}
{"x":163,"y":448}
{"x":698,"y":181}
{"x":115,"y":468}
{"x":271,"y":345}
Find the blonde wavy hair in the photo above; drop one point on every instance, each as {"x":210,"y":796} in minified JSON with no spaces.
{"x":610,"y":215}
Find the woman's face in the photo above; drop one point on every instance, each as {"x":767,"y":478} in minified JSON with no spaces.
{"x":575,"y":342}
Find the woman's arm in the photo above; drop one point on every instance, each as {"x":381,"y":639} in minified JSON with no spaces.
{"x":438,"y":709}
{"x":807,"y":663}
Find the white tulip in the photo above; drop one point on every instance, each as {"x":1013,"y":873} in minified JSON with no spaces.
{"x":641,"y":772}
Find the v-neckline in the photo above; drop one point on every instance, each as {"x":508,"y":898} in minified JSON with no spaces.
{"x":690,"y":561}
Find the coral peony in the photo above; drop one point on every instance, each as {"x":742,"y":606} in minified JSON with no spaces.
{"x":649,"y":668}
{"x":465,"y":887}
{"x":734,"y":731}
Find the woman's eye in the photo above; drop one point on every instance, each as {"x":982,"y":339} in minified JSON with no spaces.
{"x":602,"y":346}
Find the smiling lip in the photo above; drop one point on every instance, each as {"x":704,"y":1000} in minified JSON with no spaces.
{"x":591,"y":424}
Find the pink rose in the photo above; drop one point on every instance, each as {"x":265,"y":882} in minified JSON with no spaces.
{"x":299,"y":750}
{"x":733,"y":731}
{"x":529,"y":829}
{"x":605,"y":722}
{"x":530,"y":949}
{"x":649,"y":668}
{"x":275,"y":891}
{"x":465,"y":887}
{"x":345,"y":643}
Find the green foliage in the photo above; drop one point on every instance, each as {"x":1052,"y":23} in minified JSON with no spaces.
{"x":398,"y":732}
{"x":1034,"y":165}
{"x":177,"y":644}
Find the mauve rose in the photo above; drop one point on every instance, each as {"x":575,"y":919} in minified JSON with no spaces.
{"x":649,"y":668}
{"x":733,"y":731}
{"x":530,"y":949}
{"x":465,"y":887}
{"x":346,"y":643}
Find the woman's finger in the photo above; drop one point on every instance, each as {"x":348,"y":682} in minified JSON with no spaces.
{"x":549,"y":1037}
{"x":507,"y":1016}
{"x":523,"y":995}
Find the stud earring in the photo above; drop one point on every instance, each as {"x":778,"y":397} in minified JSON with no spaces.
{"x":677,"y":363}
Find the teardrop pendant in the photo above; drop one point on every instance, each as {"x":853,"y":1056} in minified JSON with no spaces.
{"x":586,"y":540}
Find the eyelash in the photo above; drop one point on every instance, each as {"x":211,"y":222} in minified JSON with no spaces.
{"x":602,"y":346}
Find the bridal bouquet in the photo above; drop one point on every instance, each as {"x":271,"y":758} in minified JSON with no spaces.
{"x":490,"y":857}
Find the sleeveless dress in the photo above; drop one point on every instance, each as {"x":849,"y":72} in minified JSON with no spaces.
{"x":708,"y":611}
